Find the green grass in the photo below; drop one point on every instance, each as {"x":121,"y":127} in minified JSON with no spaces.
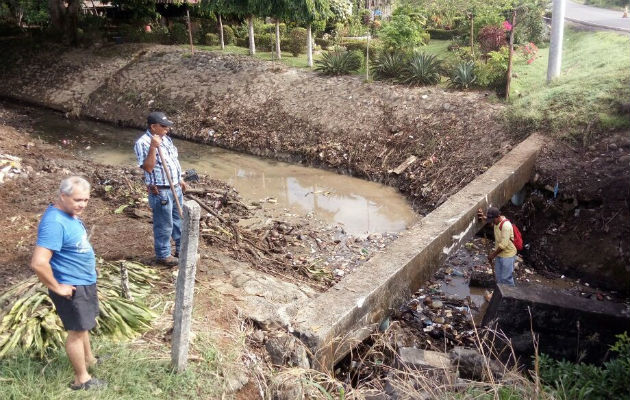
{"x":439,"y":48}
{"x":585,"y":100}
{"x":133,"y":372}
{"x":287,"y":58}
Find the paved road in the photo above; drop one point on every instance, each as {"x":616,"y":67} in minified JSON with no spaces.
{"x":598,"y":17}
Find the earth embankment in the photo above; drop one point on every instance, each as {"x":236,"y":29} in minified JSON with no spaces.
{"x":263,"y":108}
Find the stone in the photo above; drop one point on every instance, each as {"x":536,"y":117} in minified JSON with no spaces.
{"x":472,"y":365}
{"x":423,"y":358}
{"x":287,"y":350}
{"x":436,"y":304}
{"x":481,"y":279}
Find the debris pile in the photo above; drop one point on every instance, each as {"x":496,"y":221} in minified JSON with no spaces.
{"x":10,"y":167}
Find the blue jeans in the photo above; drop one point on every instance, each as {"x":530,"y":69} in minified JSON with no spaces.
{"x":167,"y":223}
{"x":504,"y":270}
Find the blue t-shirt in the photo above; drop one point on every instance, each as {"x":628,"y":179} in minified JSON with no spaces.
{"x":73,"y":261}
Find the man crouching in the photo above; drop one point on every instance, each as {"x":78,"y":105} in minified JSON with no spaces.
{"x":64,"y":261}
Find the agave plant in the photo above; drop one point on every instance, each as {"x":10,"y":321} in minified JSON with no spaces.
{"x":389,"y":66}
{"x":338,"y":62}
{"x":423,"y":69}
{"x":464,"y":75}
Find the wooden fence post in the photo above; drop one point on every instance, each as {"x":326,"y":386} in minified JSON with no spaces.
{"x":185,"y":286}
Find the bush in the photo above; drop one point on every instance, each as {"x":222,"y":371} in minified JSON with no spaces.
{"x":583,"y":381}
{"x":441,"y":34}
{"x":464,"y":75}
{"x":491,"y":38}
{"x":492,"y":74}
{"x":228,"y":35}
{"x":355,"y":44}
{"x":423,"y":69}
{"x":242,"y":42}
{"x":265,"y":41}
{"x":323,"y":43}
{"x":401,"y":32}
{"x":389,"y":65}
{"x":297,"y":41}
{"x":178,"y":33}
{"x":338,"y":62}
{"x":211,"y":39}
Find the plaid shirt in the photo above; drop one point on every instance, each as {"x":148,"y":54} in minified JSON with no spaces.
{"x":157,"y":176}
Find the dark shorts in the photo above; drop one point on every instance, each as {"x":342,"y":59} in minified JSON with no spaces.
{"x":78,"y":313}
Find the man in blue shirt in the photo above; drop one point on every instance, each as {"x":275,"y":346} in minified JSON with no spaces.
{"x":64,"y":261}
{"x":166,"y":218}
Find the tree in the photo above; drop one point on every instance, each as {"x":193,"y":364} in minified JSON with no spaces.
{"x":218,"y":8}
{"x":64,"y":18}
{"x":278,"y":10}
{"x":307,"y":12}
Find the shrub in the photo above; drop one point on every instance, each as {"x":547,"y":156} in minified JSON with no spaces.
{"x":265,"y":41}
{"x":389,"y":65}
{"x":211,"y":39}
{"x":582,"y":381}
{"x":491,"y":38}
{"x":355,"y":44}
{"x":531,"y":27}
{"x":423,"y":69}
{"x":228,"y":35}
{"x":402,"y":33}
{"x":464,"y":75}
{"x":492,"y":74}
{"x":338,"y":62}
{"x":323,"y":43}
{"x":242,"y":42}
{"x":297,"y":41}
{"x":441,"y":34}
{"x":178,"y":33}
{"x":529,"y":51}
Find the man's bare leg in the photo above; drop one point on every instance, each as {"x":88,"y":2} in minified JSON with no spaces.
{"x":75,"y":348}
{"x":90,"y":360}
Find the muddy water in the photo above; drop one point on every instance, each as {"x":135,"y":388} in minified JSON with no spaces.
{"x":358,"y":206}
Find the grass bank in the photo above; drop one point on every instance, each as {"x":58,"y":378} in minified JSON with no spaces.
{"x":586,"y":100}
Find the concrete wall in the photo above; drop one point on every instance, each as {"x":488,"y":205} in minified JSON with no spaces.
{"x":346,"y":314}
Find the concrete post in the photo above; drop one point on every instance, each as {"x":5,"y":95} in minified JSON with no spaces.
{"x":557,"y":34}
{"x":185,"y":286}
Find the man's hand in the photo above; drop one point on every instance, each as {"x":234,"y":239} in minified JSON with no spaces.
{"x":182,"y":184}
{"x":156,"y":141}
{"x":481,"y":215}
{"x":64,"y":290}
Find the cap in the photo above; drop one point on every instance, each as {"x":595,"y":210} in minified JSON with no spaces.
{"x":492,"y":213}
{"x":157,"y":117}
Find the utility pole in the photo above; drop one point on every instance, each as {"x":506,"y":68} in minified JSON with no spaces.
{"x":557,"y":33}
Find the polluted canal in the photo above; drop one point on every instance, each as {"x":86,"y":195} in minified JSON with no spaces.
{"x":359,"y":207}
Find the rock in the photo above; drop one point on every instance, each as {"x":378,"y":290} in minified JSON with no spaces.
{"x":235,"y":381}
{"x":624,"y":159}
{"x":436,"y":304}
{"x":472,"y":365}
{"x":612,"y":146}
{"x":439,"y":320}
{"x":481,"y":279}
{"x":423,"y":358}
{"x":257,"y":336}
{"x":138,"y":213}
{"x":287,"y":350}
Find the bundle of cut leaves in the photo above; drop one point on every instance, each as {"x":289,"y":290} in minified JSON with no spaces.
{"x":28,"y":319}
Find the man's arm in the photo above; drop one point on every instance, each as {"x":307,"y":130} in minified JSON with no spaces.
{"x":151,"y":159}
{"x":40,"y":263}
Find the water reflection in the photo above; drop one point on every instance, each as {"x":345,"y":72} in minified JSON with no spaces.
{"x":359,"y":206}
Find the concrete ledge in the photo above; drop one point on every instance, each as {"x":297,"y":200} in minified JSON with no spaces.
{"x":347,"y":313}
{"x":568,"y":327}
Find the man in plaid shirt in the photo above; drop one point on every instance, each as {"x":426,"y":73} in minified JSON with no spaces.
{"x":166,"y":218}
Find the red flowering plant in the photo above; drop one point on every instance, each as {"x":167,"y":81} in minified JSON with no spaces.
{"x":529,"y":52}
{"x":507,"y":26}
{"x":491,"y":38}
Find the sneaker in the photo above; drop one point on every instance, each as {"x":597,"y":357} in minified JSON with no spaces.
{"x":92,"y":384}
{"x":169,"y":261}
